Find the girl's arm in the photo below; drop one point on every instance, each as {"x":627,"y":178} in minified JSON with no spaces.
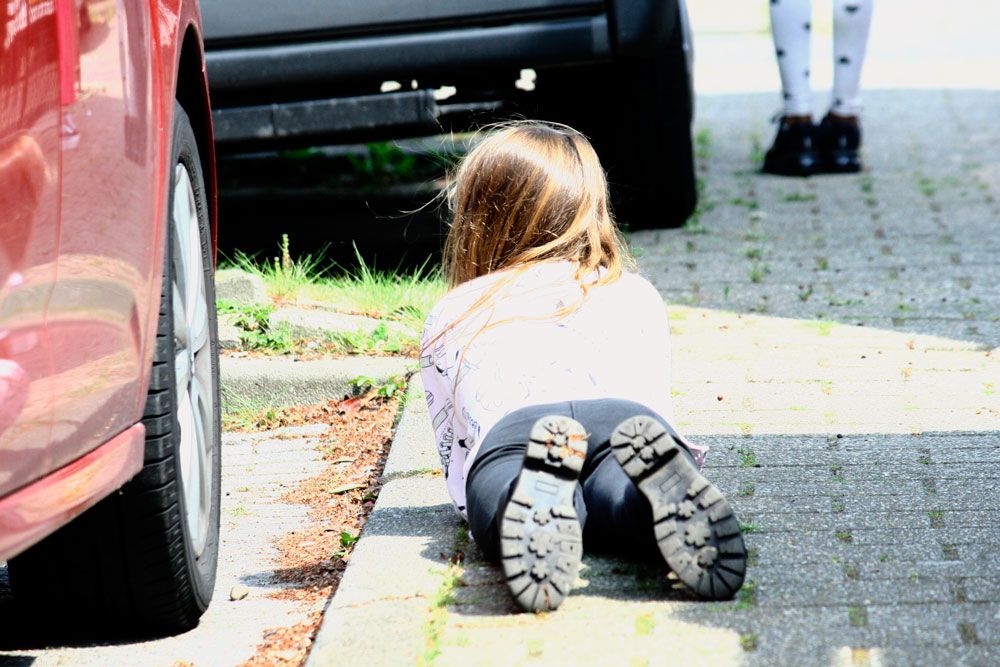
{"x":437,"y":391}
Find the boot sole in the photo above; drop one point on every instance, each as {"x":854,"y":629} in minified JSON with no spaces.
{"x":540,"y":537}
{"x":694,"y":525}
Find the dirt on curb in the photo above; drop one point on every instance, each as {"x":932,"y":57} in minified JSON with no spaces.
{"x":313,"y":558}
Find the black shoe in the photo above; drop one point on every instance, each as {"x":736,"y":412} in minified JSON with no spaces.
{"x":540,"y":536}
{"x":839,"y":142}
{"x":794,"y":152}
{"x":694,"y":525}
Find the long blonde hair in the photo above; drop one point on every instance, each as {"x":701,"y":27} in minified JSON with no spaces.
{"x":530,"y":192}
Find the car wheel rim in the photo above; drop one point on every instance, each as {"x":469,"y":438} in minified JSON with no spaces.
{"x":192,"y":362}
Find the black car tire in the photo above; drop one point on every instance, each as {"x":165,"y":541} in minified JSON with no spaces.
{"x":637,"y":112}
{"x":128,"y":563}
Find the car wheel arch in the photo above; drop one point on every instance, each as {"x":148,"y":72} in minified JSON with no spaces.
{"x":192,"y":93}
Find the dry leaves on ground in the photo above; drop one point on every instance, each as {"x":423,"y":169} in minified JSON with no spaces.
{"x":340,"y":499}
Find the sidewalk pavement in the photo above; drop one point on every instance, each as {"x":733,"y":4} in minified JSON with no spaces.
{"x":835,"y":341}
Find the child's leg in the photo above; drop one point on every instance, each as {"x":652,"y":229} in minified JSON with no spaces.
{"x":851,"y":22}
{"x":791,"y":27}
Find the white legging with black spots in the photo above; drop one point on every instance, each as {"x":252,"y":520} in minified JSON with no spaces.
{"x":791,"y":26}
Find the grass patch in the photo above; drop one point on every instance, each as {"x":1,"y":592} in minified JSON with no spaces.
{"x":240,"y":413}
{"x":748,"y":642}
{"x":799,"y":197}
{"x":748,"y":527}
{"x":757,"y":272}
{"x":703,"y":144}
{"x":644,"y":624}
{"x":937,"y":518}
{"x":380,"y":340}
{"x":857,"y":616}
{"x":363,"y":384}
{"x":747,"y":595}
{"x":443,"y":598}
{"x":747,"y":457}
{"x":844,"y":536}
{"x":756,"y":150}
{"x":822,"y":327}
{"x":283,"y":275}
{"x":837,"y":504}
{"x":747,"y":489}
{"x":406,"y":297}
{"x":256,"y":332}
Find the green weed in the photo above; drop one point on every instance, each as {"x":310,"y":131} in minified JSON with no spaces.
{"x":747,"y":595}
{"x":747,"y":457}
{"x":388,"y":388}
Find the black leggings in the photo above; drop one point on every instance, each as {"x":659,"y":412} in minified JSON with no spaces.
{"x":615,"y":516}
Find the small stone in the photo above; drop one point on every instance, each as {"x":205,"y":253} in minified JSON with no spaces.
{"x":238,"y":592}
{"x":720,"y":397}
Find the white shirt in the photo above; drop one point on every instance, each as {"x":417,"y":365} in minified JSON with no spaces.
{"x":615,"y":345}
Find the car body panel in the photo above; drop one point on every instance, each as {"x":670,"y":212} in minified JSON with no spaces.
{"x":37,"y":510}
{"x":29,"y":229}
{"x":237,"y":21}
{"x":107,"y":227}
{"x":87,"y":94}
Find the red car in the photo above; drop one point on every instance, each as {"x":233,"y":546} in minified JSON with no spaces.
{"x":109,"y":390}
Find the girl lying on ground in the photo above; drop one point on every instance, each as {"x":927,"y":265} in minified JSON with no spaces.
{"x":547,"y":374}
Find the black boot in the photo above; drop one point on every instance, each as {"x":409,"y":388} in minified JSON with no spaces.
{"x":839,"y":142}
{"x":697,"y":532}
{"x":794,"y":152}
{"x":540,"y":534}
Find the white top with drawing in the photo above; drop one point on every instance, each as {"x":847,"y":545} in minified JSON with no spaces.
{"x":616,"y":345}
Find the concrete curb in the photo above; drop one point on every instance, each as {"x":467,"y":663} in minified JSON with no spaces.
{"x":283,"y":381}
{"x":397,"y":564}
{"x":318,"y":323}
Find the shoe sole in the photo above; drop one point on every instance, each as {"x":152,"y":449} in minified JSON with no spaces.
{"x":694,"y":525}
{"x":540,"y":537}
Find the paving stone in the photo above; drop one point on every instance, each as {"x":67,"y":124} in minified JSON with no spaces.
{"x":240,"y":288}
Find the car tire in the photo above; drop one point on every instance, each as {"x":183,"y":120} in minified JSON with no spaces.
{"x":144,"y":559}
{"x":637,"y":112}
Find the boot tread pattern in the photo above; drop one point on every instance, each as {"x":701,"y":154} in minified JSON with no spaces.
{"x":541,"y":539}
{"x":693,"y":523}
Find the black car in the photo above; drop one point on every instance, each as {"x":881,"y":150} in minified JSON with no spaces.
{"x":319,"y":72}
